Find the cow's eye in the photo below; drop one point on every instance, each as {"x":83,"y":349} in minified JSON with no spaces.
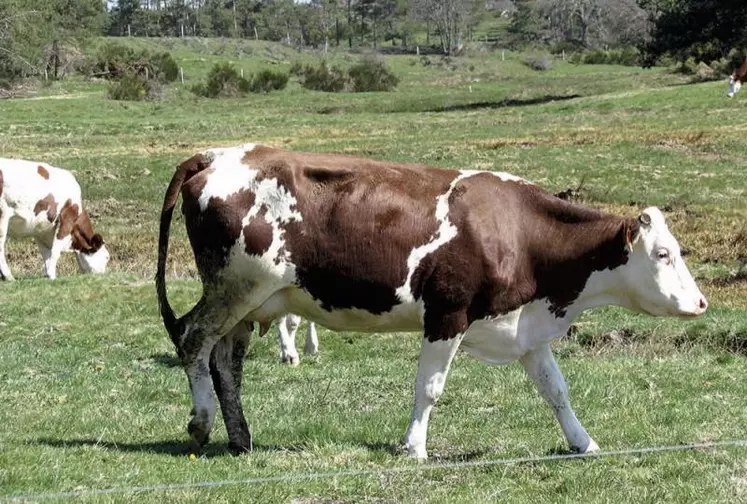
{"x":663,"y":255}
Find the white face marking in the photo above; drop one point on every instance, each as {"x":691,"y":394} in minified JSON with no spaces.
{"x":93,"y":263}
{"x":657,"y":278}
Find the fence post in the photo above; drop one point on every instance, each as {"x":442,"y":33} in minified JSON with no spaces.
{"x":181,"y":73}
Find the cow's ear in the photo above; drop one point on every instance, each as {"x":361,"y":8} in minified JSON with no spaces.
{"x":632,"y":232}
{"x":644,"y":219}
{"x":97,"y":241}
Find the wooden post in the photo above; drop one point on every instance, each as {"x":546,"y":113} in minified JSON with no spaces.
{"x":129,"y":32}
{"x":181,"y":73}
{"x":503,"y":55}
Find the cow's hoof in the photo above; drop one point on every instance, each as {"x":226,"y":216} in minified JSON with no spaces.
{"x":418,"y":453}
{"x":589,"y":448}
{"x":240,"y":447}
{"x":291,"y":360}
{"x":198,"y":431}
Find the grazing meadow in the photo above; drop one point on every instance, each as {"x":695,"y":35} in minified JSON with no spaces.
{"x":93,"y":396}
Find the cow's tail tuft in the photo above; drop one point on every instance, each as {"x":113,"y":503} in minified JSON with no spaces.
{"x":184,"y":172}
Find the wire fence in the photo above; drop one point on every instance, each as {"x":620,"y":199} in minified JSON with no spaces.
{"x":299,"y":477}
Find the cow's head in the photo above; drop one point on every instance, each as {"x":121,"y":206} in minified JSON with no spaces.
{"x":656,"y":277}
{"x":735,"y":85}
{"x":93,"y":258}
{"x":90,"y":249}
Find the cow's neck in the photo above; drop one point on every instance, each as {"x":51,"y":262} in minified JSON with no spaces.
{"x":577,"y":258}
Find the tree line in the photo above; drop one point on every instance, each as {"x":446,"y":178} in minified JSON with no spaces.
{"x":33,"y":32}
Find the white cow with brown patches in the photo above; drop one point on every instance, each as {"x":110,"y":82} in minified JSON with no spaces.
{"x":482,"y":261}
{"x":42,"y":202}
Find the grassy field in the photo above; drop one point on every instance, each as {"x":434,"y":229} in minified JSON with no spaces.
{"x":93,"y":398}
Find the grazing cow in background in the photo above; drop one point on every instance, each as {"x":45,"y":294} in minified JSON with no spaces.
{"x":287,"y":327}
{"x":737,"y":79}
{"x":481,"y":260}
{"x":43,"y":202}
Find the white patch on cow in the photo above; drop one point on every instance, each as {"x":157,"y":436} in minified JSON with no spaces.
{"x":225,"y":181}
{"x":93,"y":263}
{"x":506,"y":177}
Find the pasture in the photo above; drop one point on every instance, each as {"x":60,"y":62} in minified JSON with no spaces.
{"x":92,"y":395}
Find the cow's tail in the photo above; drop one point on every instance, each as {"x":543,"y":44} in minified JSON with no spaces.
{"x":184,"y":172}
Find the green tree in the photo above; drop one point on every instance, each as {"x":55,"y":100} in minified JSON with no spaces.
{"x":702,"y":29}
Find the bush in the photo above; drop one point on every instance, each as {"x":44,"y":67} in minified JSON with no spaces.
{"x":132,"y":87}
{"x":268,"y":80}
{"x":539,"y":63}
{"x":115,"y":60}
{"x":222,"y":81}
{"x":627,"y":56}
{"x":323,"y":78}
{"x":372,"y":75}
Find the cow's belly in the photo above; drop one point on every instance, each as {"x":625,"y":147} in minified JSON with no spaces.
{"x":403,"y":317}
{"x":24,"y":225}
{"x":506,"y":338}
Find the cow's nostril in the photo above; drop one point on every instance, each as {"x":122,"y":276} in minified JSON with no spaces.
{"x":703,"y":304}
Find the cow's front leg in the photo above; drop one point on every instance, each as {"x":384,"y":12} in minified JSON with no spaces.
{"x":541,"y":367}
{"x":51,"y":254}
{"x":439,"y":347}
{"x":4,"y":224}
{"x":226,"y":366}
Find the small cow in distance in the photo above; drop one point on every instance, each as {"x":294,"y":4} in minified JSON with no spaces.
{"x":737,"y":79}
{"x":287,"y":328}
{"x":42,"y":202}
{"x":485,"y":261}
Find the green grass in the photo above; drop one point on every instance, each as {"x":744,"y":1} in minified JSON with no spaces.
{"x":90,"y":394}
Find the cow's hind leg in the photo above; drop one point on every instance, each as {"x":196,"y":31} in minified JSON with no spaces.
{"x":312,"y":341}
{"x":541,"y":367}
{"x":206,"y":324}
{"x":226,"y":366}
{"x":287,"y":327}
{"x":442,"y":339}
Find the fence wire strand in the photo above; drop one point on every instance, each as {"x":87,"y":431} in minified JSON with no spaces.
{"x":415,"y":468}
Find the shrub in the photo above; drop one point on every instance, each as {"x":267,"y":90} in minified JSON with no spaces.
{"x":268,"y":80}
{"x":132,"y":87}
{"x":115,"y":60}
{"x":539,"y":63}
{"x":372,"y":75}
{"x":323,"y":78}
{"x":222,"y":81}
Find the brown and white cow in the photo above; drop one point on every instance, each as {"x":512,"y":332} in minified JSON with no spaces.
{"x":481,"y":260}
{"x":43,"y":202}
{"x":737,"y":79}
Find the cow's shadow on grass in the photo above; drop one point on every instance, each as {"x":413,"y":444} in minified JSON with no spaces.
{"x":173,"y":448}
{"x":507,"y":102}
{"x":165,"y":359}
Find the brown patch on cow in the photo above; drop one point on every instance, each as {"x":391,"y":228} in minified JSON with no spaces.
{"x":47,"y":204}
{"x":258,"y":234}
{"x":740,"y":73}
{"x":68,"y":215}
{"x":43,"y":172}
{"x":214,"y":231}
{"x":76,"y":222}
{"x":360,"y":222}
